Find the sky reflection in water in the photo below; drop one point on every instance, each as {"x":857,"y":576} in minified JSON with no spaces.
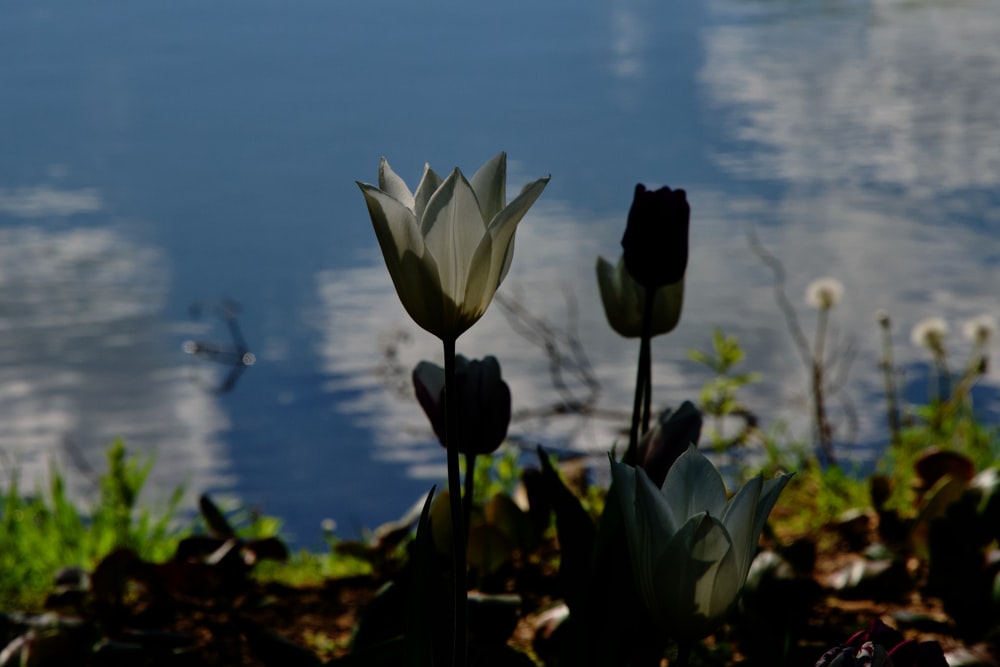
{"x":159,"y":162}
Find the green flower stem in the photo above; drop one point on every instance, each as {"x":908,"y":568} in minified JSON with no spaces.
{"x":647,"y":401}
{"x":470,"y":480}
{"x":451,"y":439}
{"x":823,"y":428}
{"x":643,"y":379}
{"x":888,"y":372}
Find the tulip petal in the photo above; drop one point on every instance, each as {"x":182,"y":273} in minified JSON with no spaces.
{"x":394,"y":186}
{"x":624,"y":299}
{"x":490,"y":185}
{"x":453,"y":228}
{"x":624,"y":484}
{"x":611,"y":297}
{"x":687,"y":574}
{"x":504,"y":224}
{"x":429,"y":183}
{"x":694,"y":485}
{"x":667,"y":306}
{"x":413,"y":270}
{"x":479,"y":290}
{"x":395,"y":226}
{"x":428,"y":384}
{"x":739,"y":520}
{"x":769,"y":493}
{"x":655,"y":527}
{"x":420,"y":291}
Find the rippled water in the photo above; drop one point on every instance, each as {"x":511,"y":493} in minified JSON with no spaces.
{"x":158,"y":156}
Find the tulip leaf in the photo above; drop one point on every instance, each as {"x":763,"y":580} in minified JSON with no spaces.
{"x":217,"y":523}
{"x":576,"y":535}
{"x":420,"y":603}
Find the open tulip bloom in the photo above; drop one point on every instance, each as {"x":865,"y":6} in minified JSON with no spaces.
{"x":449,"y":245}
{"x":690,"y":545}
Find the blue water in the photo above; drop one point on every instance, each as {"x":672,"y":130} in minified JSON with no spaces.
{"x":159,"y":155}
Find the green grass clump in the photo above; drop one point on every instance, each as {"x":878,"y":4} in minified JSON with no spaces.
{"x":43,"y":533}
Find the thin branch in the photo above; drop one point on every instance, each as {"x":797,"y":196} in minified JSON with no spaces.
{"x":787,"y":310}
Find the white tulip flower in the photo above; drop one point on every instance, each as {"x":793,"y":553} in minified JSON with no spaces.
{"x":449,"y":245}
{"x":624,"y":298}
{"x":690,"y":545}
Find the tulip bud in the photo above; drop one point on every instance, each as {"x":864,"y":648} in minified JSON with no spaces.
{"x":484,"y":402}
{"x":656,"y":236}
{"x":673,"y":433}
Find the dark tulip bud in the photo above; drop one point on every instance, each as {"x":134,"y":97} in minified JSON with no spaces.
{"x":656,"y":237}
{"x":483,"y":402}
{"x":670,"y":437}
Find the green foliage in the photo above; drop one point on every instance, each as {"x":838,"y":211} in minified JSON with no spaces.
{"x":309,"y":568}
{"x":948,"y":424}
{"x":817,"y":497}
{"x":497,"y":473}
{"x":39,"y":535}
{"x":718,"y":397}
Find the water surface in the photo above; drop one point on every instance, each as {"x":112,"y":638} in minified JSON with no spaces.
{"x":155,"y":156}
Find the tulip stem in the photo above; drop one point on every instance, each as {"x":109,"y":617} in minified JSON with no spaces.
{"x":643,"y":380}
{"x":683,"y":655}
{"x":451,"y":439}
{"x":470,"y":480}
{"x":824,"y":431}
{"x":647,"y":399}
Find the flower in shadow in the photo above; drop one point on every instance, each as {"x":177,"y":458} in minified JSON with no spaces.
{"x":690,"y":545}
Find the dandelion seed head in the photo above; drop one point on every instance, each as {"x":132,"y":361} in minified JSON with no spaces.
{"x":980,"y":330}
{"x":824,"y":293}
{"x":930,"y":333}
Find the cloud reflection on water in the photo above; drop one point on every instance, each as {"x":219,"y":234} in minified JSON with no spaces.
{"x":906,"y":266}
{"x":84,"y":360}
{"x":896,"y":93}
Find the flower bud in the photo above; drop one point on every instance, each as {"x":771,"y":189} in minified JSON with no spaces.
{"x":656,"y":236}
{"x":483,"y":402}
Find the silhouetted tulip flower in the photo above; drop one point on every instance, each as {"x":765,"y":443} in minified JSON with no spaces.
{"x":656,"y":236}
{"x":448,"y":245}
{"x":484,"y":407}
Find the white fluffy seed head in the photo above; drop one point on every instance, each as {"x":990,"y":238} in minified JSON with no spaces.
{"x":980,"y":329}
{"x":930,"y":333}
{"x":824,"y":293}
